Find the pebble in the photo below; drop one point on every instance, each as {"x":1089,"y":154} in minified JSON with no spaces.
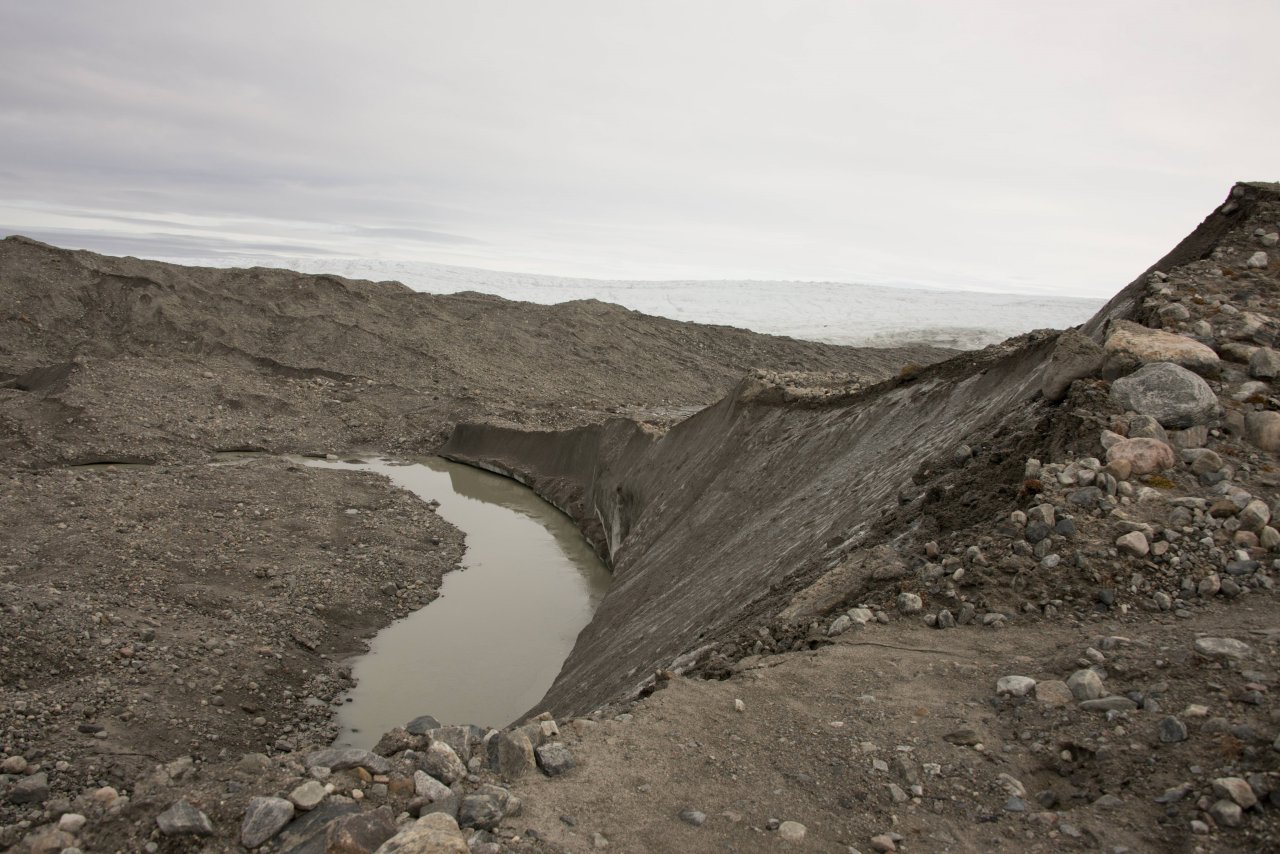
{"x":910,"y":603}
{"x":441,"y":762}
{"x":1054,"y":693}
{"x":71,"y":822}
{"x":883,"y":843}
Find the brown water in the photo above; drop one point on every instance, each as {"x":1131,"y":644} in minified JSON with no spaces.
{"x":488,"y":649}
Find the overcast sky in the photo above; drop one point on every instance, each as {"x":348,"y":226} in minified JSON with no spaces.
{"x":1022,"y":145}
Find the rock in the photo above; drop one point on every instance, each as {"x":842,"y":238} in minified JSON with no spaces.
{"x":487,"y":807}
{"x":459,"y":738}
{"x":309,"y":795}
{"x":435,"y":833}
{"x":946,"y":620}
{"x":514,"y":754}
{"x":1146,"y":427}
{"x":1131,"y":345}
{"x":695,"y":817}
{"x":883,"y":842}
{"x":263,"y":819}
{"x":182,"y":819}
{"x":1227,"y":813}
{"x":1263,"y":430}
{"x":341,"y":758}
{"x":1074,"y":357}
{"x":30,"y":790}
{"x":1237,"y":789}
{"x":14,"y":765}
{"x":1270,"y":239}
{"x":1085,"y":685}
{"x":1015,"y":686}
{"x":1054,"y":693}
{"x":1170,"y":730}
{"x":441,"y":762}
{"x":554,"y":758}
{"x":47,"y":840}
{"x":359,"y":833}
{"x":395,"y":740}
{"x":428,"y":787}
{"x":1255,"y":516}
{"x":1167,"y":392}
{"x":1264,"y":364}
{"x":1133,"y":543}
{"x":791,"y":831}
{"x":1223,"y":648}
{"x":1257,"y":260}
{"x":72,"y":822}
{"x":840,"y":625}
{"x":1112,"y":703}
{"x":1144,"y":456}
{"x":910,"y":603}
{"x":421,"y":725}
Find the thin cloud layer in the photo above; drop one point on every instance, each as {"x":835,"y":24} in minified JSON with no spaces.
{"x":997,"y":145}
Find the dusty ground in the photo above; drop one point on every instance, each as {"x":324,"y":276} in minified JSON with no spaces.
{"x":171,"y":632}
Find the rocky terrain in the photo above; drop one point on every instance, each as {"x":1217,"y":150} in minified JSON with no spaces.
{"x":1021,"y":599}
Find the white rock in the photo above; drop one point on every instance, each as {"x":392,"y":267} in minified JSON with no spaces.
{"x":1257,"y":260}
{"x":1015,"y":686}
{"x":1223,"y":648}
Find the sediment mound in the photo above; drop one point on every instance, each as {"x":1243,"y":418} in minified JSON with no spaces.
{"x":129,"y":359}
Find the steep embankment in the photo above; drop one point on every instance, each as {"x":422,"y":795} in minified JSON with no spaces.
{"x":117,"y":358}
{"x":712,"y":527}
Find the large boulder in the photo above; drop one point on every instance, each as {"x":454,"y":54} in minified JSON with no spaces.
{"x":1076,"y":356}
{"x":1131,"y":345}
{"x":1169,"y":393}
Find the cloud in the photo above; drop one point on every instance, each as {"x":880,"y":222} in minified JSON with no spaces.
{"x":1048,"y":148}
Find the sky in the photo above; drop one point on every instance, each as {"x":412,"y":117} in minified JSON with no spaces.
{"x":1022,"y":146}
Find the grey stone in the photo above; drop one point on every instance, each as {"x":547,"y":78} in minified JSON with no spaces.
{"x":1264,"y":364}
{"x":1085,"y":685}
{"x":435,"y":833}
{"x":263,"y":819}
{"x":695,"y":817}
{"x":791,"y":831}
{"x":182,"y":819}
{"x":1227,"y":813}
{"x":1223,"y":648}
{"x":30,"y":790}
{"x":1146,"y":427}
{"x":441,"y":762}
{"x":1015,"y":686}
{"x":422,"y":725}
{"x":1171,"y":394}
{"x":359,"y":832}
{"x":1113,"y":703}
{"x":395,"y":740}
{"x":487,"y":807}
{"x":1237,"y":789}
{"x":308,"y":796}
{"x":1171,"y":730}
{"x":910,"y":603}
{"x":457,"y":737}
{"x":341,"y":758}
{"x":428,"y":787}
{"x":514,"y":754}
{"x":1257,"y":260}
{"x":554,"y":758}
{"x":1074,"y":357}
